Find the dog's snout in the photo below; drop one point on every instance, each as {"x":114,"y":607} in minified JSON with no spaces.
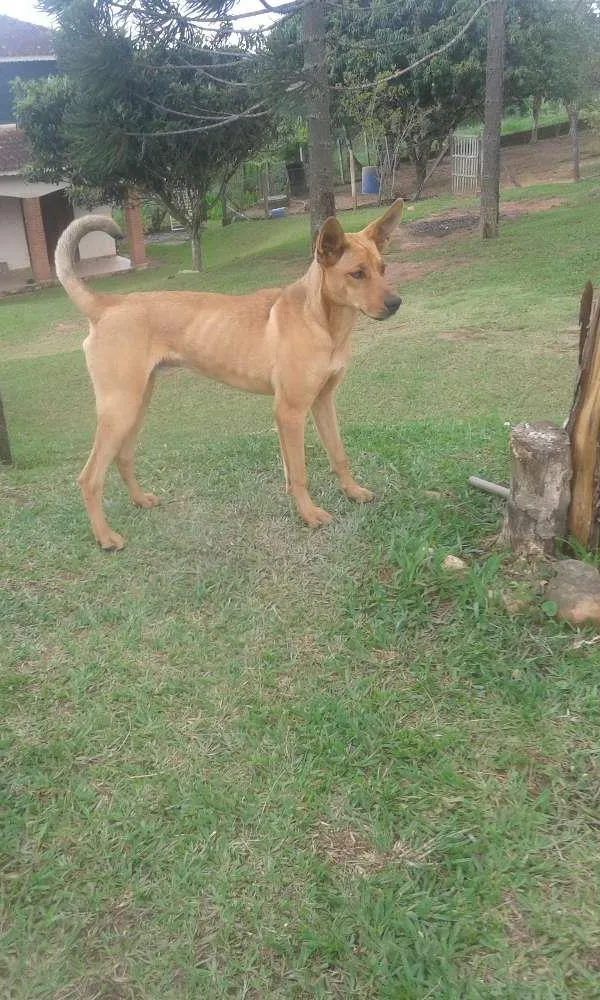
{"x":392,"y":304}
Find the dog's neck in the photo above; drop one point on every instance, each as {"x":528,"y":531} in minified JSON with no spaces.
{"x":338,"y":320}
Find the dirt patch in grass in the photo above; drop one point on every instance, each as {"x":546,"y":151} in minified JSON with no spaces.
{"x":93,"y":989}
{"x":62,"y":339}
{"x":592,"y":959}
{"x":512,"y":210}
{"x":123,"y":915}
{"x":388,"y":656}
{"x":351,"y":851}
{"x":530,"y":963}
{"x":399,"y":271}
{"x":17,"y":496}
{"x":426,"y":232}
{"x":461,"y":336}
{"x":567,"y":343}
{"x":443,"y":225}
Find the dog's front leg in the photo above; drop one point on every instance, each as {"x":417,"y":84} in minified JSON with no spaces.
{"x":290,"y":424}
{"x":325,"y":416}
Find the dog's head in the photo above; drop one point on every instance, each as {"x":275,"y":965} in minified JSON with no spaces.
{"x":353,"y":268}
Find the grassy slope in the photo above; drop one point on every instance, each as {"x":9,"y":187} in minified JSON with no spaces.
{"x":248,"y":760}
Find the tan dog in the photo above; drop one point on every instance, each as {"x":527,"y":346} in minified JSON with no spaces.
{"x":292,"y":343}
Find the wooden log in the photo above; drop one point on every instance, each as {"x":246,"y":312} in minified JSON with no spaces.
{"x":583,"y":427}
{"x":536,"y":510}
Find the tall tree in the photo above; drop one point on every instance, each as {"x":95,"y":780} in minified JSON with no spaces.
{"x":553,"y":54}
{"x":575,"y":62}
{"x":320,"y":164}
{"x":132,"y":111}
{"x":221,"y":21}
{"x":494,"y":89}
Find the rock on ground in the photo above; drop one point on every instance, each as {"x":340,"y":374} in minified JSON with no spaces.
{"x":575,"y":590}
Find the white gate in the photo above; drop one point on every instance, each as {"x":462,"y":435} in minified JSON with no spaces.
{"x":466,"y":164}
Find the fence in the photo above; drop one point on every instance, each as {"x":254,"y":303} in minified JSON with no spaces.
{"x":466,"y":164}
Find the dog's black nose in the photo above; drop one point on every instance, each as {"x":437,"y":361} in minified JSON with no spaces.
{"x":392,"y":304}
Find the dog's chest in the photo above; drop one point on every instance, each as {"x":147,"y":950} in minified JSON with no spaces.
{"x":338,"y":361}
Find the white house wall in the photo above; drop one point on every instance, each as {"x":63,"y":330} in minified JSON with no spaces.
{"x":96,"y":244}
{"x":13,"y":243}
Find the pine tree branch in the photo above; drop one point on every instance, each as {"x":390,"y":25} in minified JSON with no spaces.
{"x":226,"y":120}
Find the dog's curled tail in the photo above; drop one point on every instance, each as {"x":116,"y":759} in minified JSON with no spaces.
{"x":64,"y":260}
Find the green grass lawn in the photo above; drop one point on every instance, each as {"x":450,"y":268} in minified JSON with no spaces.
{"x":550,"y":114}
{"x":247,"y":760}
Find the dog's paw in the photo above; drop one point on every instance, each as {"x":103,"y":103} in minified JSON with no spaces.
{"x":359,"y":493}
{"x":146,"y":500}
{"x":316,"y":516}
{"x":111,"y":542}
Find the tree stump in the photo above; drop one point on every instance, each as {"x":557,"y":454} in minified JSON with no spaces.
{"x":536,"y":511}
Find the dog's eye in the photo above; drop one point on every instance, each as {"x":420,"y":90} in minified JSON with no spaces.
{"x":358,"y":274}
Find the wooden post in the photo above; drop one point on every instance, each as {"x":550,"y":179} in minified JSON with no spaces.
{"x":265,"y":180}
{"x":573,"y":112}
{"x":341,"y":161}
{"x":583,"y":427}
{"x":5,"y":453}
{"x":353,"y":177}
{"x":536,"y":511}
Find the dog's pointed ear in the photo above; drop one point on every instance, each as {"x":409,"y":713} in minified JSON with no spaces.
{"x":331,"y":243}
{"x":381,"y":231}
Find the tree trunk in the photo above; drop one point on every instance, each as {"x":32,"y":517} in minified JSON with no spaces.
{"x":420,"y":163}
{"x":266,"y":189}
{"x":573,"y":112}
{"x":536,"y":510}
{"x":5,"y":453}
{"x":538,"y":100}
{"x":225,"y":213}
{"x":320,"y":172}
{"x":196,"y":243}
{"x":494,"y":87}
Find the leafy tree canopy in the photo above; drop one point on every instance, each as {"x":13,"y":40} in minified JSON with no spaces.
{"x":133,"y":110}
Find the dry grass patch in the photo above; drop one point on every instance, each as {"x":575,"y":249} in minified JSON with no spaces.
{"x":353,"y":852}
{"x":466,"y":335}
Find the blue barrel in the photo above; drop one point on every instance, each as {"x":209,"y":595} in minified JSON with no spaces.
{"x":277,"y":213}
{"x":370,"y":180}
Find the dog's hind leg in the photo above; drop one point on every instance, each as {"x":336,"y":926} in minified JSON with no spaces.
{"x":325,"y":418}
{"x":118,"y":415}
{"x":125,"y":455}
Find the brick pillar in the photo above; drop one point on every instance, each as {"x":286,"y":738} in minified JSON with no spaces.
{"x":135,"y":231}
{"x":36,"y":239}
